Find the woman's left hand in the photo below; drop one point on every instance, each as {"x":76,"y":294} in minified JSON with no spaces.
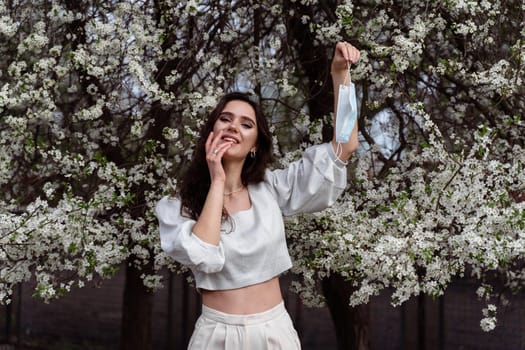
{"x":344,"y":55}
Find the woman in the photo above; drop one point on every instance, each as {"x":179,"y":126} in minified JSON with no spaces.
{"x":226,"y":222}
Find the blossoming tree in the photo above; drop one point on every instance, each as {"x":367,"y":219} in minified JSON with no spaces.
{"x":437,"y":192}
{"x":101,"y":101}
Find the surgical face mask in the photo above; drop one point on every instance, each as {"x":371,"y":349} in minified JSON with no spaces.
{"x":346,"y":114}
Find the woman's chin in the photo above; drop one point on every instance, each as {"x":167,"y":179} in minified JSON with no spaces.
{"x":233,"y":156}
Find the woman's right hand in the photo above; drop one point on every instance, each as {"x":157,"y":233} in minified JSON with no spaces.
{"x":208,"y":225}
{"x":215,"y":149}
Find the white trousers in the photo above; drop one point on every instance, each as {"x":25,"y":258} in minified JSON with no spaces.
{"x":269,"y":330}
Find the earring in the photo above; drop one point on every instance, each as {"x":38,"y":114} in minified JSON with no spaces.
{"x":252,"y":153}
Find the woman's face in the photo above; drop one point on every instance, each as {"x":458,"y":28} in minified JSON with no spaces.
{"x":239,"y":125}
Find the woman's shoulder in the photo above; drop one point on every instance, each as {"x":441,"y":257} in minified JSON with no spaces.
{"x":169,"y":200}
{"x":168,"y":206}
{"x":263,"y":185}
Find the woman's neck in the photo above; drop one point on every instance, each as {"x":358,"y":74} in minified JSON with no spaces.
{"x":233,"y":177}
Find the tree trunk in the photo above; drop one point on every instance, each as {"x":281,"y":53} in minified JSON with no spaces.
{"x":135,"y":333}
{"x":351,"y":323}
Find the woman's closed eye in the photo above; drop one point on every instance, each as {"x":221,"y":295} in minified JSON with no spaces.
{"x":228,"y":119}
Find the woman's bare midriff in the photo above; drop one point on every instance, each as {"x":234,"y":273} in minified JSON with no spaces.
{"x":247,"y":300}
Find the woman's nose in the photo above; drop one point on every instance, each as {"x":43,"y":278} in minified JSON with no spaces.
{"x":232,"y":128}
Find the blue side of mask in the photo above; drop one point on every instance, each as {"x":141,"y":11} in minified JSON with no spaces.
{"x":346,"y":114}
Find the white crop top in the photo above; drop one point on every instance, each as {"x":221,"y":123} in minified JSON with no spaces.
{"x":252,"y":248}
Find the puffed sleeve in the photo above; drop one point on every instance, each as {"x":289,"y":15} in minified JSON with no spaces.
{"x":311,"y":183}
{"x":178,"y":240}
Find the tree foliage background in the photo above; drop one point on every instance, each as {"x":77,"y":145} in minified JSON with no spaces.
{"x":101,"y":101}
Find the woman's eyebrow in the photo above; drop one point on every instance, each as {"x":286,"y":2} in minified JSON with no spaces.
{"x":247,"y":119}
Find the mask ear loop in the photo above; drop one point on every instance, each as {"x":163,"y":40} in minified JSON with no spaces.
{"x":339,"y":148}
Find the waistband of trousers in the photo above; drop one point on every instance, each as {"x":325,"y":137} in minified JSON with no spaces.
{"x":233,"y":319}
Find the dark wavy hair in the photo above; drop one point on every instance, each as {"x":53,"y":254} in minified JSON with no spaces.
{"x":196,"y":180}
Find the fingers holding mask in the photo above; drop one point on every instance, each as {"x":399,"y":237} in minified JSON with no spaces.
{"x":350,"y":53}
{"x":345,"y":54}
